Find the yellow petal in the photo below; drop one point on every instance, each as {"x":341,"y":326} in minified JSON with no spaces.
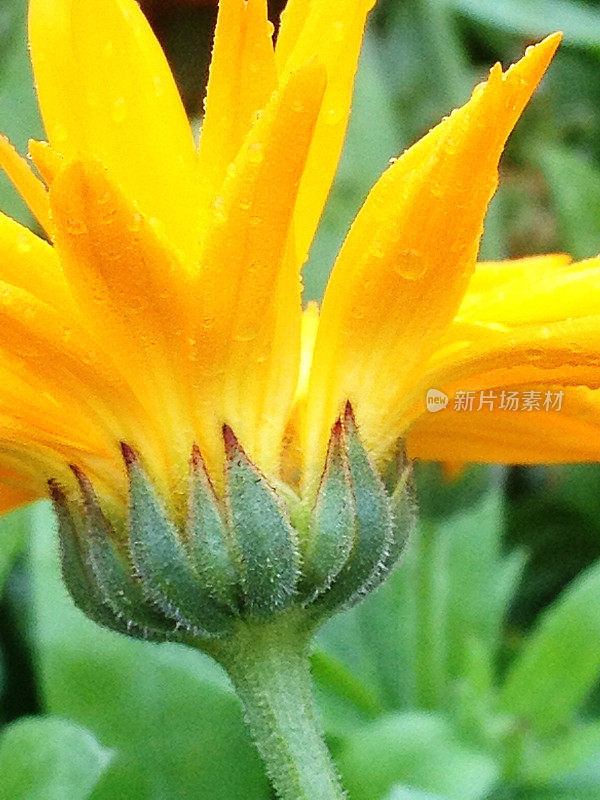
{"x":333,"y":32}
{"x":106,"y":91}
{"x":132,"y":288}
{"x":30,"y":263}
{"x":12,"y":492}
{"x":248,"y":292}
{"x":25,"y":182}
{"x":408,"y":258}
{"x":46,"y":159}
{"x":513,"y":437}
{"x":242,"y":79}
{"x":531,"y":290}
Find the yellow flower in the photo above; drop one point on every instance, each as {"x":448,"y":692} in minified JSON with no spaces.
{"x":169,"y":299}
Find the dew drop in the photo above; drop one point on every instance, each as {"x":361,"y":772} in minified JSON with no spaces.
{"x":135,"y":223}
{"x":220,"y":210}
{"x":255,"y":221}
{"x":410,"y":264}
{"x":247,"y":332}
{"x":297,"y":106}
{"x":377,"y":250}
{"x":23,"y":244}
{"x":75,"y":226}
{"x":119,"y":111}
{"x":207,"y":322}
{"x":159,"y":88}
{"x":337,"y":33}
{"x":255,"y":153}
{"x":333,"y":116}
{"x":245,"y":203}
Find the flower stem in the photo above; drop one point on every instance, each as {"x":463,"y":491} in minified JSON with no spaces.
{"x":268,"y":664}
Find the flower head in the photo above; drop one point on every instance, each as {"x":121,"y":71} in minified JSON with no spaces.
{"x":167,"y":302}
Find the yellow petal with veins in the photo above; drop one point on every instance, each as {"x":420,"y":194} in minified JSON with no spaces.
{"x":242,"y":79}
{"x":25,"y":182}
{"x":513,"y":437}
{"x":248,"y":290}
{"x":106,"y":92}
{"x":333,"y":32}
{"x":408,"y":258}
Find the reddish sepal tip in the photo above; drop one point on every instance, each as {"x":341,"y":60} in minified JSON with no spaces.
{"x":56,"y":493}
{"x":129,"y":456}
{"x":230,"y":440}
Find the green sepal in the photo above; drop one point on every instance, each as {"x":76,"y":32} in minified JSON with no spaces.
{"x":207,"y":539}
{"x":405,"y":515}
{"x":267,"y":542}
{"x":121,"y":591}
{"x":332,"y":528}
{"x":374,"y":522}
{"x":161,"y":561}
{"x":78,"y":577}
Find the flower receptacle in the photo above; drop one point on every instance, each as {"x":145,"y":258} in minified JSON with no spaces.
{"x":237,"y":559}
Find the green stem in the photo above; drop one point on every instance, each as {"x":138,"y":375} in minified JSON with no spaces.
{"x":269,"y":666}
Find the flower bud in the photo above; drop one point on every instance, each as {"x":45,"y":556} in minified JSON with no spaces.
{"x":237,"y":557}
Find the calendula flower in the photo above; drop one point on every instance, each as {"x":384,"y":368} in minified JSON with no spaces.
{"x":163,"y":315}
{"x":168,"y":301}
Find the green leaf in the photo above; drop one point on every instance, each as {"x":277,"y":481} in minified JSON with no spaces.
{"x":561,"y":661}
{"x":579,"y":22}
{"x":571,"y":178}
{"x":44,"y":758}
{"x":168,"y":711}
{"x":416,"y":749}
{"x":568,"y":750}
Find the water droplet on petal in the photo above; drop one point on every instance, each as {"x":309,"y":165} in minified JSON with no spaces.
{"x":220,"y":210}
{"x":159,"y":88}
{"x":247,"y":332}
{"x":75,"y":226}
{"x":119,"y":111}
{"x":255,"y":153}
{"x":23,"y":244}
{"x":410,"y":264}
{"x":135,"y":223}
{"x":333,"y":116}
{"x":337,"y":32}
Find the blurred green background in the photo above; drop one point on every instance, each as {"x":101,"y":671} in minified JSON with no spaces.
{"x":474,"y":673}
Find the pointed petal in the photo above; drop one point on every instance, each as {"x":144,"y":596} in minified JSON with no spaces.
{"x":131,"y":286}
{"x":116,"y":100}
{"x":333,"y":32}
{"x":520,"y":437}
{"x":248,"y":291}
{"x":407,"y":260}
{"x":46,"y":159}
{"x":25,"y":182}
{"x":537,"y":328}
{"x":242,"y":79}
{"x":30,"y":263}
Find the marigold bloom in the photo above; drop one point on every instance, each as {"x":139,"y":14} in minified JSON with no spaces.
{"x":169,"y":299}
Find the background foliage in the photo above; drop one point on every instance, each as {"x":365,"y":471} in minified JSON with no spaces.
{"x":473,"y":674}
